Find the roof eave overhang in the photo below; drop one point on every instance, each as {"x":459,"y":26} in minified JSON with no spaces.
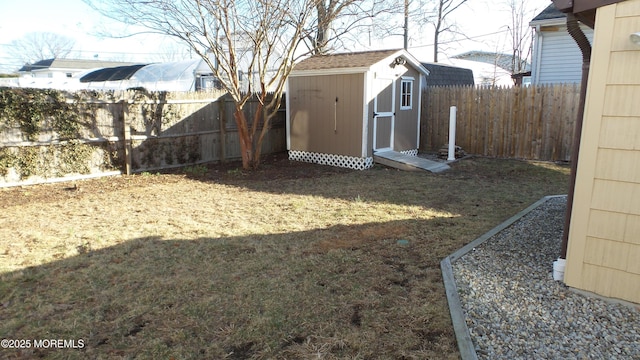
{"x":363,"y":69}
{"x":412,"y":60}
{"x":331,"y":71}
{"x":584,"y":10}
{"x":579,"y":6}
{"x":549,"y":22}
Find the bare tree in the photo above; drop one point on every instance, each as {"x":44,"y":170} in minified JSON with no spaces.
{"x":171,"y":51}
{"x":344,"y":20}
{"x":519,"y":31}
{"x":439,"y":20}
{"x":38,"y":46}
{"x":250,"y":46}
{"x":326,"y":13}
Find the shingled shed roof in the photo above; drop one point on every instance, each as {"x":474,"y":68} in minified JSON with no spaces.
{"x":346,"y":60}
{"x":442,"y":75}
{"x":356,"y":61}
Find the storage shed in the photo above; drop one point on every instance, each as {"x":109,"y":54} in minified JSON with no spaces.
{"x":342,"y":108}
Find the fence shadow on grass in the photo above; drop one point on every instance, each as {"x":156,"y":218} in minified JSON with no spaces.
{"x":343,"y":291}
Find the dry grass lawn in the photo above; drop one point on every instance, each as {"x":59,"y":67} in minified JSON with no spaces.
{"x":294,"y":261}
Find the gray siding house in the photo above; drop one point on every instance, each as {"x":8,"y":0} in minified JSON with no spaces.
{"x":556,"y":57}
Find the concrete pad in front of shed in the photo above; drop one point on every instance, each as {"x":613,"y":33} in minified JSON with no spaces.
{"x":407,"y":162}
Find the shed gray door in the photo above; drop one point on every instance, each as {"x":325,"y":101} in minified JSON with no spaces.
{"x":383,"y":113}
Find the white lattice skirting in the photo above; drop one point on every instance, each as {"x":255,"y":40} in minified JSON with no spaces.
{"x":344,"y":161}
{"x":413,"y":152}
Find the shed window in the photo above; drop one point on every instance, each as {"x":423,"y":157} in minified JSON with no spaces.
{"x":406,"y":92}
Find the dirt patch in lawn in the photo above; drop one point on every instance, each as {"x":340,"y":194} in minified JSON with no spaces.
{"x":294,"y":260}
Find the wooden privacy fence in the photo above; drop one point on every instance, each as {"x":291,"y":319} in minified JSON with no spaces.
{"x":129,"y":131}
{"x":535,"y":122}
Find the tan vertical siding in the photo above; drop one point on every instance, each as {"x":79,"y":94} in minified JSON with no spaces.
{"x":406,"y":125}
{"x":406,"y":121}
{"x":604,"y":240}
{"x":318,"y":123}
{"x":385,"y":98}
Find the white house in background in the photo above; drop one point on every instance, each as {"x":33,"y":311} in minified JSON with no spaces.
{"x":60,"y":74}
{"x":489,"y":68}
{"x":71,"y":75}
{"x":556,"y":56}
{"x":64,"y":68}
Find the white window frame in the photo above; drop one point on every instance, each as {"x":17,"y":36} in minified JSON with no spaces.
{"x":406,"y":95}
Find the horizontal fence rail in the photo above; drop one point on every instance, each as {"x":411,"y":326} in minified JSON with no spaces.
{"x":535,"y":122}
{"x":131,"y":132}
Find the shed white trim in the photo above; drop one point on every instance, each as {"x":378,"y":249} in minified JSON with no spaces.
{"x":410,"y":59}
{"x":288,"y":114}
{"x":384,"y":114}
{"x":419,"y":110}
{"x":368,"y":79}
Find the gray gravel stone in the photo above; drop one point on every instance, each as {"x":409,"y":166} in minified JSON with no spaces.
{"x":515,"y":310}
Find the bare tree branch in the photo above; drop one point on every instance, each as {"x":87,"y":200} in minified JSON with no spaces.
{"x":345,"y":21}
{"x":38,"y":46}
{"x":519,"y":31}
{"x":249,"y":45}
{"x":444,"y":9}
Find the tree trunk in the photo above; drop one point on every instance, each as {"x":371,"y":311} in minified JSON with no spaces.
{"x":259,"y":117}
{"x":436,"y":33}
{"x":322,"y":30}
{"x":435,"y":47}
{"x":246,"y":141}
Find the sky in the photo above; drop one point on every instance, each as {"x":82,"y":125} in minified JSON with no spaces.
{"x":485,"y":21}
{"x":74,"y":19}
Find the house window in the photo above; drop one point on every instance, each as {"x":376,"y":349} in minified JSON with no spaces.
{"x":406,"y":94}
{"x":207,"y":82}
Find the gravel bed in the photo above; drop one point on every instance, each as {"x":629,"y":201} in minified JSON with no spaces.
{"x":515,"y":310}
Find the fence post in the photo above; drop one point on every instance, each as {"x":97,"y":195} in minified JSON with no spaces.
{"x":452,"y":133}
{"x":126,"y":136}
{"x":222,"y":116}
